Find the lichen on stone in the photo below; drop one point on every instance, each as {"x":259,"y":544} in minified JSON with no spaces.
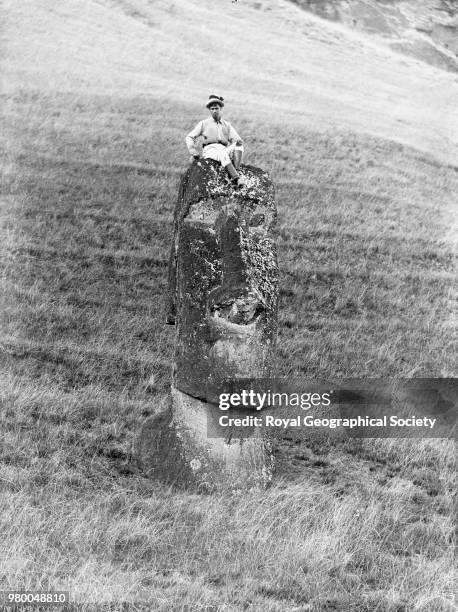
{"x":227,"y":292}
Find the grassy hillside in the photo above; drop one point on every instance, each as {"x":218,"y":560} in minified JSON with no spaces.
{"x":96,"y":100}
{"x":278,"y":63}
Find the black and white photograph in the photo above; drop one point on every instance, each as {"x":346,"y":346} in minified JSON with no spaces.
{"x":228,"y":305}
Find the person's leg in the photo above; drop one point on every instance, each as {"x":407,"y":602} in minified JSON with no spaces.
{"x":237,"y":158}
{"x":220,"y":153}
{"x":235,"y":177}
{"x":231,"y":170}
{"x":237,"y":155}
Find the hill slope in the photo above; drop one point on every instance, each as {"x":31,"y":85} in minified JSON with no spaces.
{"x":96,"y":99}
{"x":425,"y":29}
{"x":281,"y":63}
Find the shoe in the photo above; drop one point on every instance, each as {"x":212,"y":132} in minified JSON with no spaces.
{"x":238,"y":182}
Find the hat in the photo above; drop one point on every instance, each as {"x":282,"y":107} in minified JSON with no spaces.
{"x":212,"y":99}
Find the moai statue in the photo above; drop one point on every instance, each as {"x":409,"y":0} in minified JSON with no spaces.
{"x":223,"y":281}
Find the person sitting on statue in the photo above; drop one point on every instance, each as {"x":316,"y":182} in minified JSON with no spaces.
{"x":220,"y":140}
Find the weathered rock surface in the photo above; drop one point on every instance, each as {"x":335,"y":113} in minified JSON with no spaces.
{"x":173,"y":446}
{"x":226,"y":279}
{"x":223,"y":280}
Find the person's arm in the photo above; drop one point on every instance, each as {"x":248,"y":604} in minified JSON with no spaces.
{"x":191,"y":139}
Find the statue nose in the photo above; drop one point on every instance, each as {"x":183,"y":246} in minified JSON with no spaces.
{"x":237,"y":299}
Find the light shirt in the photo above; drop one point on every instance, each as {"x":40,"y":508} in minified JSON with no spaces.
{"x":212,"y":132}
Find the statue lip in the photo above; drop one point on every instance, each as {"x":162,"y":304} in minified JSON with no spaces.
{"x":222,"y":327}
{"x":241,"y":310}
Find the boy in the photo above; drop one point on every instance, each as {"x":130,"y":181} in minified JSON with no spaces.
{"x":220,"y":140}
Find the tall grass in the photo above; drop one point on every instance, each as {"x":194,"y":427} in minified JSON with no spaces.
{"x":365,"y":291}
{"x":363,"y":525}
{"x":93,"y":149}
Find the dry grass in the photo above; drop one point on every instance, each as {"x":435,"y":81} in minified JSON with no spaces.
{"x":365,"y":251}
{"x":365,"y":291}
{"x":279,"y":63}
{"x":363,"y":526}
